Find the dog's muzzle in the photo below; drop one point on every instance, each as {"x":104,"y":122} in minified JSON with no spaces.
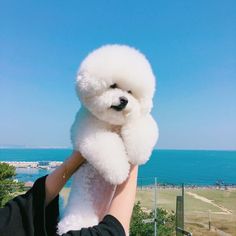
{"x":122,"y":105}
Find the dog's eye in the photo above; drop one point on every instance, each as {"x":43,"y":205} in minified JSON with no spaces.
{"x":130,"y":91}
{"x":113,"y":86}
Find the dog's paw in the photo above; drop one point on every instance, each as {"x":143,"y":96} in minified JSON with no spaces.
{"x":117,"y":173}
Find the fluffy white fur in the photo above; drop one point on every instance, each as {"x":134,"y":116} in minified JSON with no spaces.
{"x":109,"y":139}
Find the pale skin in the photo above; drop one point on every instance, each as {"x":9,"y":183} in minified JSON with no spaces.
{"x":123,"y":201}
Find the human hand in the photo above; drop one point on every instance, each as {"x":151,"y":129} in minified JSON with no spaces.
{"x":57,"y":179}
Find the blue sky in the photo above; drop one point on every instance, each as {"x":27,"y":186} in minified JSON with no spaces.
{"x":190,"y":44}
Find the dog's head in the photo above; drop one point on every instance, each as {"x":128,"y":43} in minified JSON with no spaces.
{"x":116,"y":83}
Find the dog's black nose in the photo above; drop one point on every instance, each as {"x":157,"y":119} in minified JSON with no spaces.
{"x":122,"y":105}
{"x":123,"y":101}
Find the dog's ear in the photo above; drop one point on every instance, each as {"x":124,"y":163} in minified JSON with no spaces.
{"x":88,"y":86}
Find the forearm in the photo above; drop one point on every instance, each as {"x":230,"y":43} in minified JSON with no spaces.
{"x":123,"y":201}
{"x":57,"y":179}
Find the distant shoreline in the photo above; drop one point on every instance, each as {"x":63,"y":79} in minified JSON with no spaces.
{"x":188,"y":187}
{"x":35,"y":147}
{"x":33,"y":164}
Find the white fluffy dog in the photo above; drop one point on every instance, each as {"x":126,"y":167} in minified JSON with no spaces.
{"x":112,"y":129}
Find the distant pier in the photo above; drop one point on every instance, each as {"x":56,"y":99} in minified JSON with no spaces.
{"x":34,"y":164}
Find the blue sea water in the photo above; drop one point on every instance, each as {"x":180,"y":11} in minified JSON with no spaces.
{"x":169,"y":166}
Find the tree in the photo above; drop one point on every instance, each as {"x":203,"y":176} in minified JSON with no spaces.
{"x":8,"y":186}
{"x":165,"y":222}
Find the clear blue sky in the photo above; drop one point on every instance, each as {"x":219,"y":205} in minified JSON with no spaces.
{"x":191,"y":45}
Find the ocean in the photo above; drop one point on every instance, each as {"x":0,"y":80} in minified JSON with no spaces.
{"x":191,"y":167}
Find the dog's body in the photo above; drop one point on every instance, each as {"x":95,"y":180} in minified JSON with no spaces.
{"x":88,"y":202}
{"x":112,"y":129}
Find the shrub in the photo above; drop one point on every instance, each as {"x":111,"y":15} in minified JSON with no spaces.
{"x":165,"y":222}
{"x":8,"y":187}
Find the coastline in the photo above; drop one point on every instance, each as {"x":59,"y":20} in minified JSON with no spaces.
{"x":188,"y":187}
{"x":34,"y":164}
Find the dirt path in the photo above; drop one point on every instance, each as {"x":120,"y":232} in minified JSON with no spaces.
{"x":206,"y":200}
{"x":213,"y":229}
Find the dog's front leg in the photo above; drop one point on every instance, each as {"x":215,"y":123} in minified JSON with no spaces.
{"x":106,"y":152}
{"x":103,"y":149}
{"x":139,"y":137}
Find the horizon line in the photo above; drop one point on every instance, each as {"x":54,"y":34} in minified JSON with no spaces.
{"x":70,"y":147}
